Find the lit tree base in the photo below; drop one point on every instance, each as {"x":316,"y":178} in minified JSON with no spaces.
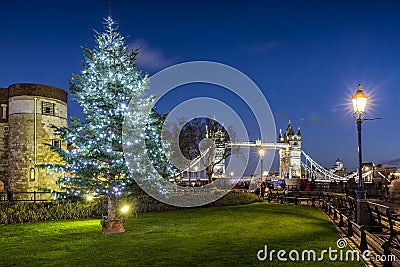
{"x":113,"y":226}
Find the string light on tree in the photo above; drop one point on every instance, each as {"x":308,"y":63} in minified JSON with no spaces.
{"x":109,"y":80}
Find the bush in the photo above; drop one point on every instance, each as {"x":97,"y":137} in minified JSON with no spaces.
{"x":22,"y":212}
{"x":232,"y":198}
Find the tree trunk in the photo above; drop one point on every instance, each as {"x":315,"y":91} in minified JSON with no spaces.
{"x":111,"y":211}
{"x":112,"y":224}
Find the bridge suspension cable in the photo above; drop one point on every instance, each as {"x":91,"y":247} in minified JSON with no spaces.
{"x":194,"y":162}
{"x":325,"y":175}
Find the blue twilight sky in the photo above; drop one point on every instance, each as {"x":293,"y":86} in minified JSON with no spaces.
{"x":306,"y":56}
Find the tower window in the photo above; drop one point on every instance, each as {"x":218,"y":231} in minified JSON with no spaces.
{"x":56,"y":143}
{"x":47,"y":108}
{"x":4,"y":111}
{"x":32,"y":174}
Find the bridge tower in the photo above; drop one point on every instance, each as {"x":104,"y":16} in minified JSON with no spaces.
{"x":290,"y":158}
{"x":218,"y":136}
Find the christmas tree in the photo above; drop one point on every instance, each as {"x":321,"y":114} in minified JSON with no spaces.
{"x":158,"y":150}
{"x":109,"y":81}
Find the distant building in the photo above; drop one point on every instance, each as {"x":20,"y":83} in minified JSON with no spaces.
{"x":28,"y":112}
{"x":376,"y":173}
{"x":339,"y":169}
{"x":369,"y":168}
{"x":395,"y":174}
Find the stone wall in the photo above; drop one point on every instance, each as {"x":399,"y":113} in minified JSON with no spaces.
{"x":20,"y":145}
{"x":3,"y":152}
{"x":17,"y":147}
{"x":3,"y":102}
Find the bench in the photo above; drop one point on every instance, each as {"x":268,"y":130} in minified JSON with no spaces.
{"x":351,"y":204}
{"x":298,"y":196}
{"x":384,"y":223}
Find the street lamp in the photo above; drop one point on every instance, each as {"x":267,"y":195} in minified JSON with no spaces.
{"x":261,"y":152}
{"x":359,"y":100}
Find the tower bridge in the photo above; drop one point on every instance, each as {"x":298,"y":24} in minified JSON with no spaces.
{"x":289,"y":147}
{"x":294,"y":163}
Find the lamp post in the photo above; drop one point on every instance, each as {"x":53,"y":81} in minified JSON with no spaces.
{"x":261,"y":152}
{"x":197,"y":175}
{"x":359,"y":100}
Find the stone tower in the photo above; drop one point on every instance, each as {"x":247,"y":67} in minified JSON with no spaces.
{"x":290,"y":158}
{"x":219,"y":153}
{"x":218,"y":136}
{"x":28,"y":113}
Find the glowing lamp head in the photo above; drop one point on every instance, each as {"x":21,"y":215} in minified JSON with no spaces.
{"x":359,"y":100}
{"x":125,"y":209}
{"x":89,"y":198}
{"x":261,"y":152}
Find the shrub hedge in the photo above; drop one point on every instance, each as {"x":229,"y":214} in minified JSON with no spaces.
{"x":232,"y":198}
{"x":23,"y":212}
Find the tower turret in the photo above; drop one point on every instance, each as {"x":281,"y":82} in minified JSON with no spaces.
{"x":280,"y":136}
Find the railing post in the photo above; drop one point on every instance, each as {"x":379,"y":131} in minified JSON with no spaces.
{"x":34,"y":196}
{"x":386,"y":252}
{"x":341,"y":222}
{"x":349,"y":227}
{"x":334,"y":214}
{"x":363,"y":239}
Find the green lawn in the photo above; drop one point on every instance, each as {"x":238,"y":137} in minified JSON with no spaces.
{"x":228,"y":236}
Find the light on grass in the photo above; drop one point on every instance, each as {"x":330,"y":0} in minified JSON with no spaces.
{"x":125,"y":208}
{"x":89,"y":198}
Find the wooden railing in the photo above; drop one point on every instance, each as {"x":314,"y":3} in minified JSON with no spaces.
{"x":32,"y":196}
{"x":381,"y":247}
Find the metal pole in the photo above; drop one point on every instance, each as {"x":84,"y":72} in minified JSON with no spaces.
{"x":34,"y":132}
{"x":261,"y":168}
{"x":360,"y":194}
{"x":188,"y":173}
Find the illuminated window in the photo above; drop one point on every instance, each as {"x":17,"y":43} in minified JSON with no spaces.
{"x":32,"y":174}
{"x":47,"y":108}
